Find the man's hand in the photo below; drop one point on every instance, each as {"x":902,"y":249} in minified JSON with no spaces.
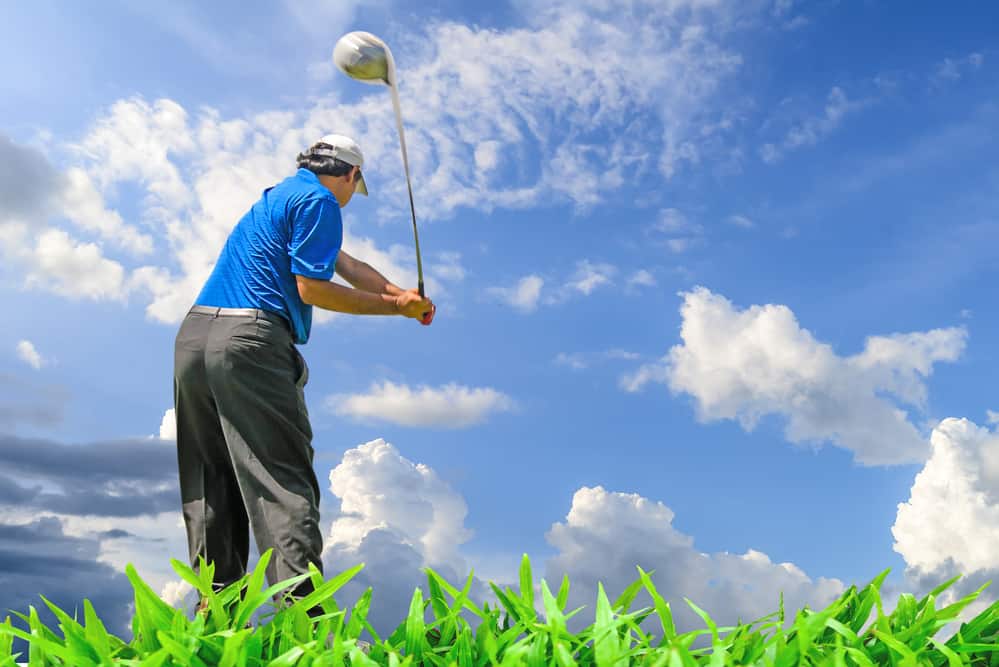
{"x":411,"y":304}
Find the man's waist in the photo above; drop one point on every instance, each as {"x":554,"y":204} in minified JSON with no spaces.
{"x":255,"y":313}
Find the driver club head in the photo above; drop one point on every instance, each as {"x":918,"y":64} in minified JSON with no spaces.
{"x":362,"y":56}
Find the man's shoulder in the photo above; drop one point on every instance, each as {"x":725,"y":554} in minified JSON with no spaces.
{"x":305,"y":184}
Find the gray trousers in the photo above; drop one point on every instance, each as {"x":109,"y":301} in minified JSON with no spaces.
{"x":244,"y":445}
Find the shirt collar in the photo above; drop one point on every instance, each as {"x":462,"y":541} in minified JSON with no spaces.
{"x":307,"y":175}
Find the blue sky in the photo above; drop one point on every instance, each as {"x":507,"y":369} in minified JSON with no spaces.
{"x":714,"y":287}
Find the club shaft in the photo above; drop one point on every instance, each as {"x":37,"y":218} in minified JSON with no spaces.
{"x":409,"y":186}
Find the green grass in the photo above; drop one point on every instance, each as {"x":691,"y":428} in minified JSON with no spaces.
{"x":511,"y":633}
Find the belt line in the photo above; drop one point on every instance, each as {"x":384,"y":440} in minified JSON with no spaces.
{"x":256,"y":313}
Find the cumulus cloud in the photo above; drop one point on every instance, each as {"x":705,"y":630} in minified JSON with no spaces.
{"x":747,"y":364}
{"x":397,"y":517}
{"x":449,"y":406}
{"x":812,"y":129}
{"x":605,"y":535}
{"x":952,"y":513}
{"x":523,"y":296}
{"x":56,"y":262}
{"x":949,"y":525}
{"x":168,"y":426}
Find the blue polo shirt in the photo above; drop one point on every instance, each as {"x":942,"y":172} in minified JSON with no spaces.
{"x":294,"y":228}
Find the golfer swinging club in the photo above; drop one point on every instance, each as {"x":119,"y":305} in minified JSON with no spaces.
{"x":244,"y":439}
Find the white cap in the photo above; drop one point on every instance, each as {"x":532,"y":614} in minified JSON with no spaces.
{"x":346,"y":149}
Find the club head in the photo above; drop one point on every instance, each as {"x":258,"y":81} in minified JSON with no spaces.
{"x":362,"y":56}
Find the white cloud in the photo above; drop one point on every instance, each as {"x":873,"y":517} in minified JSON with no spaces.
{"x":149,"y":543}
{"x":379,"y":488}
{"x":198,"y":172}
{"x":168,"y":426}
{"x":487,"y":155}
{"x":574,"y":361}
{"x":949,"y":525}
{"x":636,"y":380}
{"x":85,"y":206}
{"x":622,"y":354}
{"x":813,"y":129}
{"x":992,"y":416}
{"x":397,"y":517}
{"x":951,"y":69}
{"x":449,"y":406}
{"x":952,"y":514}
{"x":606,"y":535}
{"x":448,"y":267}
{"x":589,"y":276}
{"x":747,"y":364}
{"x":741,"y":221}
{"x":642,"y":278}
{"x":523,"y":296}
{"x":579,"y":361}
{"x":74,"y":269}
{"x":681,"y":233}
{"x":27,"y":353}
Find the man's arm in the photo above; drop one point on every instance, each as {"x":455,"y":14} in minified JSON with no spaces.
{"x":340,"y":298}
{"x":363,"y":276}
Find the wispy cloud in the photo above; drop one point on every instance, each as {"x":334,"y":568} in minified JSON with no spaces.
{"x":642,"y":278}
{"x":953,"y":69}
{"x":524,"y":296}
{"x":740,"y":221}
{"x":198,"y":172}
{"x":28,"y":354}
{"x":589,"y":276}
{"x":580,"y":361}
{"x":810,"y":130}
{"x":448,"y":406}
{"x":574,"y":361}
{"x":681,"y":234}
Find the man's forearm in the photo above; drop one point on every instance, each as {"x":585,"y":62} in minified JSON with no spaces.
{"x":343,"y":299}
{"x":364,"y":277}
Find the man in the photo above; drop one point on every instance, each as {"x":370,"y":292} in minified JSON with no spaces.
{"x":244,"y":439}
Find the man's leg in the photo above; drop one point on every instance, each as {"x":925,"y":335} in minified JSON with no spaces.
{"x":216,"y":521}
{"x":258,"y":378}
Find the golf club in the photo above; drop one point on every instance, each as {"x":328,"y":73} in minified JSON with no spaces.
{"x":362,"y":56}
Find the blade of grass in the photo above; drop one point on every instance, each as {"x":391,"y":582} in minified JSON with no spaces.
{"x":415,"y":627}
{"x":662,"y":608}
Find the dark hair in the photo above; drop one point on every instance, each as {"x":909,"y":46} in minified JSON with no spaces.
{"x":323,"y":164}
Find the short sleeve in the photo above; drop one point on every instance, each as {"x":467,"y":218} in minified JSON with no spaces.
{"x":316,"y":235}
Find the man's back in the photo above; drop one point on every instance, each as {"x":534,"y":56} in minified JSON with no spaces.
{"x":294,"y":228}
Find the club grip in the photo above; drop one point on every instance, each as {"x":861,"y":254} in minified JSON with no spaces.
{"x":428,"y":317}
